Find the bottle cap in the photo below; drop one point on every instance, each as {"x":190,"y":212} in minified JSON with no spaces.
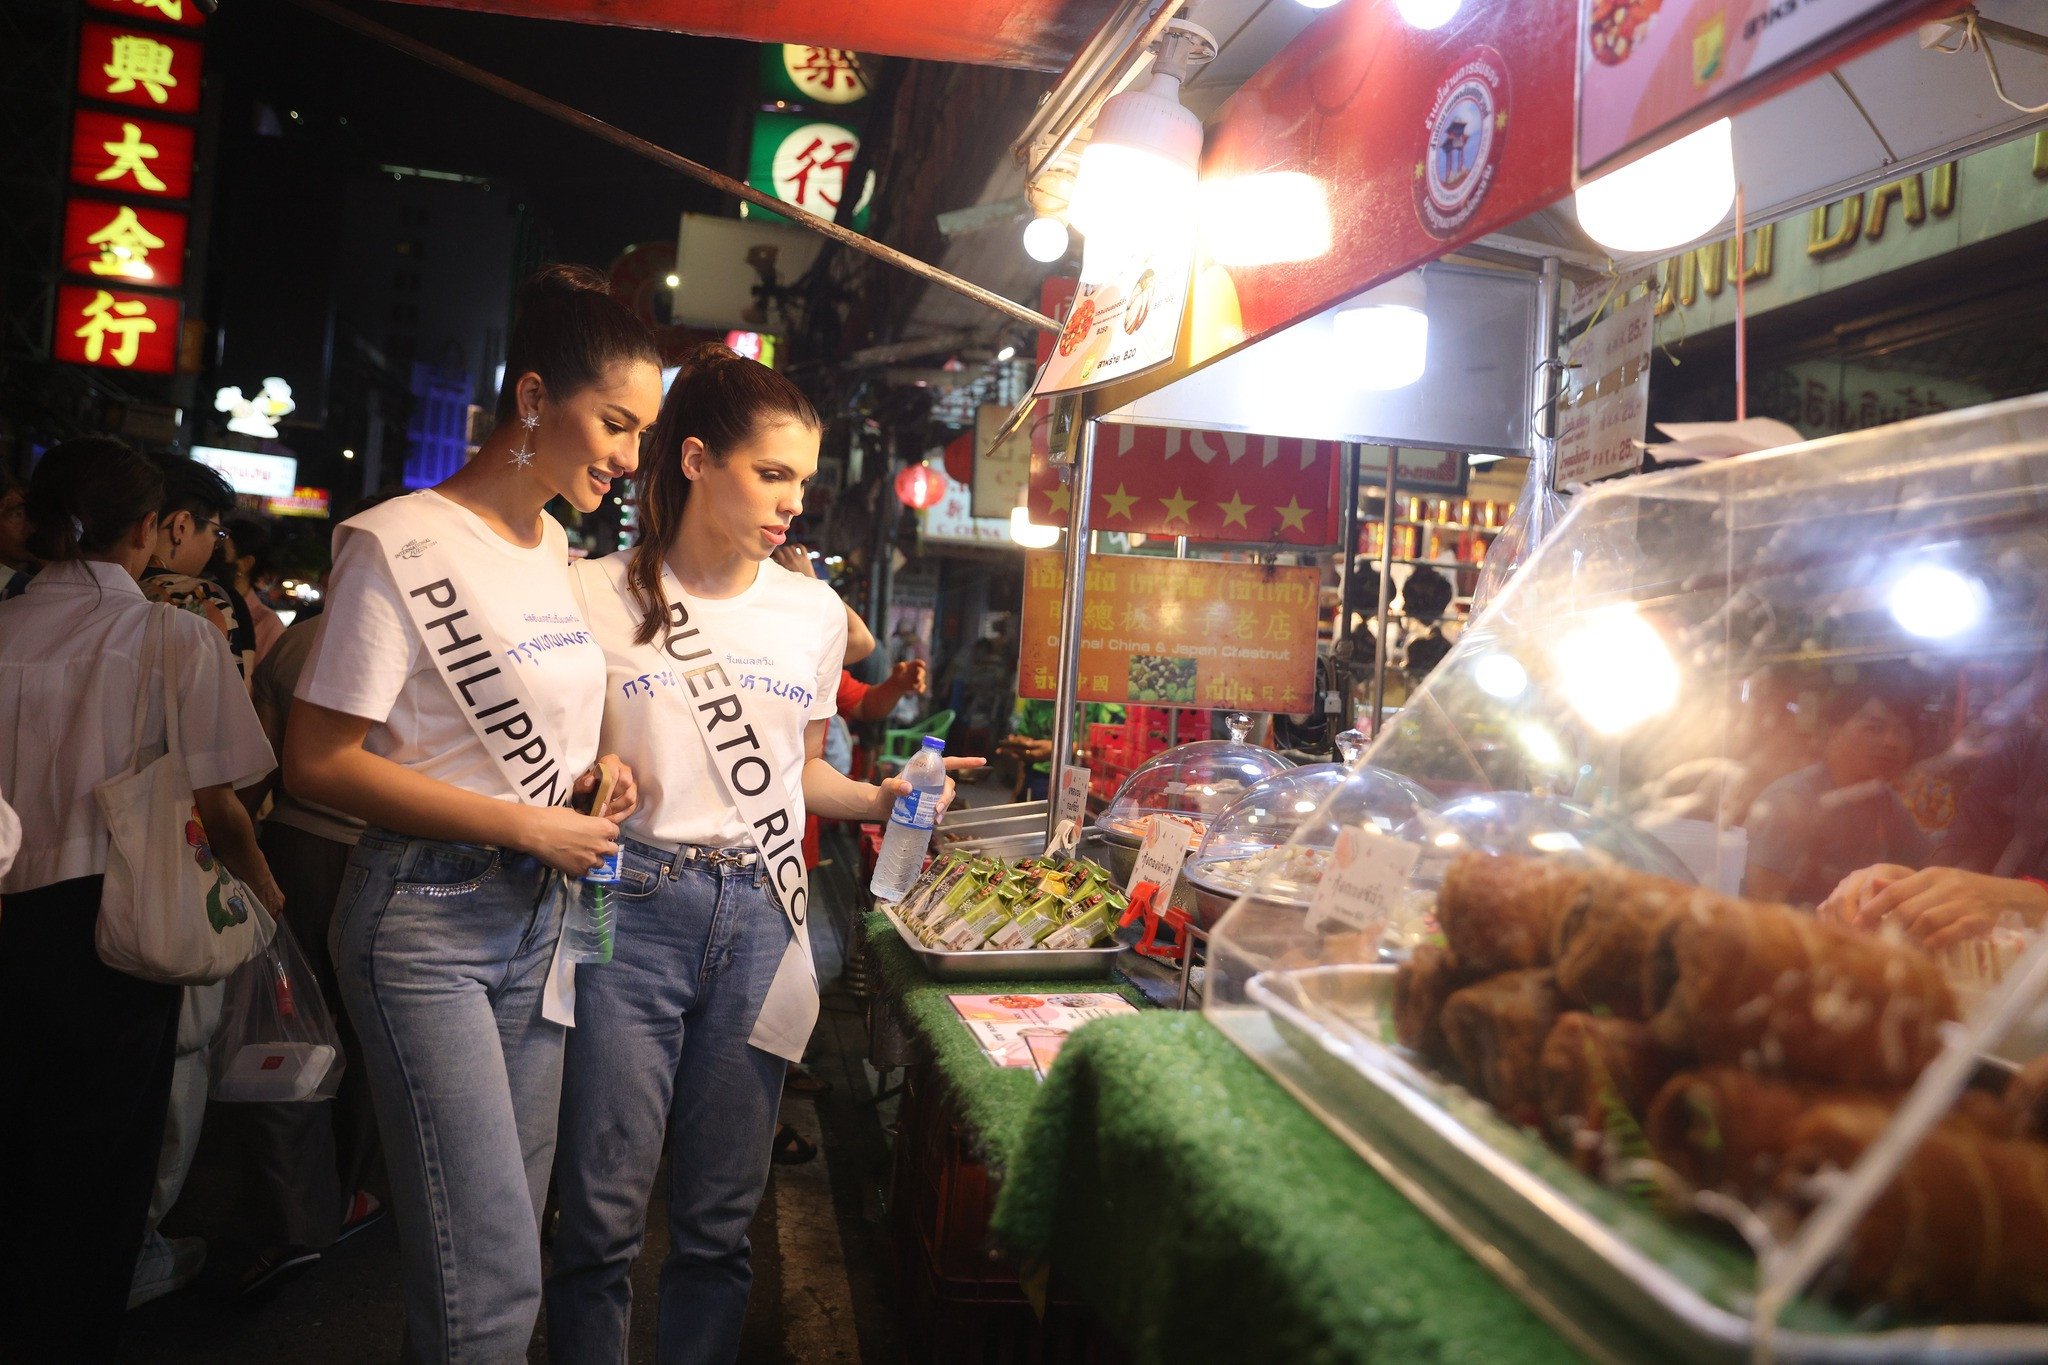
{"x":934,"y":742}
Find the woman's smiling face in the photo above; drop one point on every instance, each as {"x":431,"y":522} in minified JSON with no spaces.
{"x":589,"y":440}
{"x":745,"y":498}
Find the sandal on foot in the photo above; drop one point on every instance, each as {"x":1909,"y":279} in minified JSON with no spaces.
{"x":793,"y":1148}
{"x":363,"y":1210}
{"x":271,"y":1266}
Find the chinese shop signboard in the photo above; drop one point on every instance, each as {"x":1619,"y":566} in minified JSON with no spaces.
{"x":182,"y":12}
{"x":132,"y":243}
{"x":798,"y":74}
{"x":116,"y":329}
{"x":131,"y":155}
{"x":150,"y":70}
{"x":1177,"y":632}
{"x":805,"y":161}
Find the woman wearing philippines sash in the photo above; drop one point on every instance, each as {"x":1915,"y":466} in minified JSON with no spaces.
{"x":453,"y":704}
{"x":722,"y":669}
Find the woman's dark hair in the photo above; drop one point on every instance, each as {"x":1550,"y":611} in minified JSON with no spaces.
{"x":194,"y":488}
{"x":86,"y":495}
{"x":568,"y":329}
{"x":724,"y":400}
{"x":251,"y":538}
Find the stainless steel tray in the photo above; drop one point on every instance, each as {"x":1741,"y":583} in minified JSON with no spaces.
{"x":965,"y":818}
{"x":1619,"y":1282}
{"x":1027,"y":964}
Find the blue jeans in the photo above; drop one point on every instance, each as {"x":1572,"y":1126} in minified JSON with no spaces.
{"x":442,"y":951}
{"x":661,"y":1041}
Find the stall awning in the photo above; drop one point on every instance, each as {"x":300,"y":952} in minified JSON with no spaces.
{"x":1038,"y":34}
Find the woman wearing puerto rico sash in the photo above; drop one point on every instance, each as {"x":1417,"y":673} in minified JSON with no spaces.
{"x":722,"y":669}
{"x":453,"y":703}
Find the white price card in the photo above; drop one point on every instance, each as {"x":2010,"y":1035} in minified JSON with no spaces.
{"x":1073,"y":804}
{"x":1160,"y":856}
{"x":1368,"y":872}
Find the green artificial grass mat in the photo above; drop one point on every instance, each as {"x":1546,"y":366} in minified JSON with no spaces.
{"x":994,"y":1101}
{"x":1203,"y":1212}
{"x":1214,"y":1219}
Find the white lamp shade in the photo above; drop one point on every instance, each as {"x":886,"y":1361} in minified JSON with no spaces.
{"x":1427,"y":14}
{"x":1028,"y":533}
{"x":1045,"y":239}
{"x":1382,"y":342}
{"x":1265,"y":219}
{"x":1674,"y":195}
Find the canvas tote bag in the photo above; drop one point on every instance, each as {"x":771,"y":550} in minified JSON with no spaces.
{"x":170,"y":910}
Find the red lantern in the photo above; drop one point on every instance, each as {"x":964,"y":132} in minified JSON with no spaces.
{"x":920,"y":486}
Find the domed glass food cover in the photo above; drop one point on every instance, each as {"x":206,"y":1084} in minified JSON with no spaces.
{"x":1250,"y":844}
{"x":1196,"y":781}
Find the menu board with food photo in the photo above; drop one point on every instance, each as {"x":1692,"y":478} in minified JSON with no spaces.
{"x":1025,"y":1031}
{"x":1177,"y":632}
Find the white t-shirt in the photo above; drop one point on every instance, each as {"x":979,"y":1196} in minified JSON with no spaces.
{"x":371,"y":662}
{"x":71,"y":653}
{"x":782,"y":640}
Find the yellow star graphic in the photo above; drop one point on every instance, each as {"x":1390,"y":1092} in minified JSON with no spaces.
{"x":1060,"y":499}
{"x":1234,"y":510}
{"x":1120,"y":502}
{"x":1176,"y":506}
{"x":1293,"y":515}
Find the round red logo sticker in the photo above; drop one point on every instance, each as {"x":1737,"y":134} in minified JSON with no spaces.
{"x":1463,"y":137}
{"x":1079,"y":324}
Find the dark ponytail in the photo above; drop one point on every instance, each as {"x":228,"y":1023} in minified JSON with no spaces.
{"x":724,"y":400}
{"x":86,"y":496}
{"x":568,"y":329}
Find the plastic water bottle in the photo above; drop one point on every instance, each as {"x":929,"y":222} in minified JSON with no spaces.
{"x":910,"y":823}
{"x":587,"y":930}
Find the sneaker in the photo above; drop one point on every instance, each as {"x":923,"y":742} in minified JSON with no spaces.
{"x":167,"y":1264}
{"x":271,"y":1266}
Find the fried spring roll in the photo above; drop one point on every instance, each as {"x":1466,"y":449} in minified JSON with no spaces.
{"x":1499,"y":914}
{"x":1424,"y":982}
{"x":1598,"y":1075}
{"x":1763,"y":986}
{"x":1496,"y":1031}
{"x":1605,"y":937}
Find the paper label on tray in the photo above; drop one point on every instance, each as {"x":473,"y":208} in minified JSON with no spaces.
{"x":1004,"y":1025}
{"x":1073,"y":803}
{"x":1160,"y":856}
{"x":1366,"y":876}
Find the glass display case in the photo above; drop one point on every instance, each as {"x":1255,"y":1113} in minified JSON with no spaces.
{"x":1256,"y":836}
{"x":1196,"y":782}
{"x":1709,"y":1007}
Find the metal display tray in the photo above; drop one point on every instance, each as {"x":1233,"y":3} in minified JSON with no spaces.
{"x":1619,"y":1282}
{"x":1025,"y":964}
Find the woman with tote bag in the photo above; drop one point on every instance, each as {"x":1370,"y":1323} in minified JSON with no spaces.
{"x":722,"y":669}
{"x":85,"y":1050}
{"x":452,"y":704}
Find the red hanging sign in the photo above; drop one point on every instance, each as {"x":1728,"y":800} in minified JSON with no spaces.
{"x":131,"y":155}
{"x":124,"y":245}
{"x":150,"y":70}
{"x":1206,"y":485}
{"x":182,"y":12}
{"x":116,"y":329}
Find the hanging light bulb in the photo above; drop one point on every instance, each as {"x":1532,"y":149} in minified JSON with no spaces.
{"x":1672,"y":196}
{"x":1136,"y":187}
{"x":1264,"y":219}
{"x":1045,"y":239}
{"x":1427,"y":14}
{"x":1028,"y":533}
{"x":1383,"y":338}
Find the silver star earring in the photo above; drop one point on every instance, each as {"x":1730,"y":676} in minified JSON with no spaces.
{"x":523,"y":457}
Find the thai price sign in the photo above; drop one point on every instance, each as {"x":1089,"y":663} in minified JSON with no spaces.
{"x":1130,"y":322}
{"x":1177,"y":632}
{"x":133,"y":243}
{"x":117,"y":330}
{"x":131,"y":155}
{"x":151,"y":70}
{"x":1605,"y":408}
{"x":1651,"y":70}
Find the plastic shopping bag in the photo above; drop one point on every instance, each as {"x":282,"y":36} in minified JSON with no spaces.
{"x":276,"y":1039}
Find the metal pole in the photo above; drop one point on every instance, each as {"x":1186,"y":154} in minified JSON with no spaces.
{"x":1341,"y":649}
{"x":1379,"y":664}
{"x":1067,"y":690}
{"x":576,"y":118}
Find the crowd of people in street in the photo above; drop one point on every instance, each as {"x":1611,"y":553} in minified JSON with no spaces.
{"x":472,"y":746}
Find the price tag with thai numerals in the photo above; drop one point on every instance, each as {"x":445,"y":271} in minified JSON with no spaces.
{"x":1160,"y":856}
{"x":1367,"y":874}
{"x":1073,"y":804}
